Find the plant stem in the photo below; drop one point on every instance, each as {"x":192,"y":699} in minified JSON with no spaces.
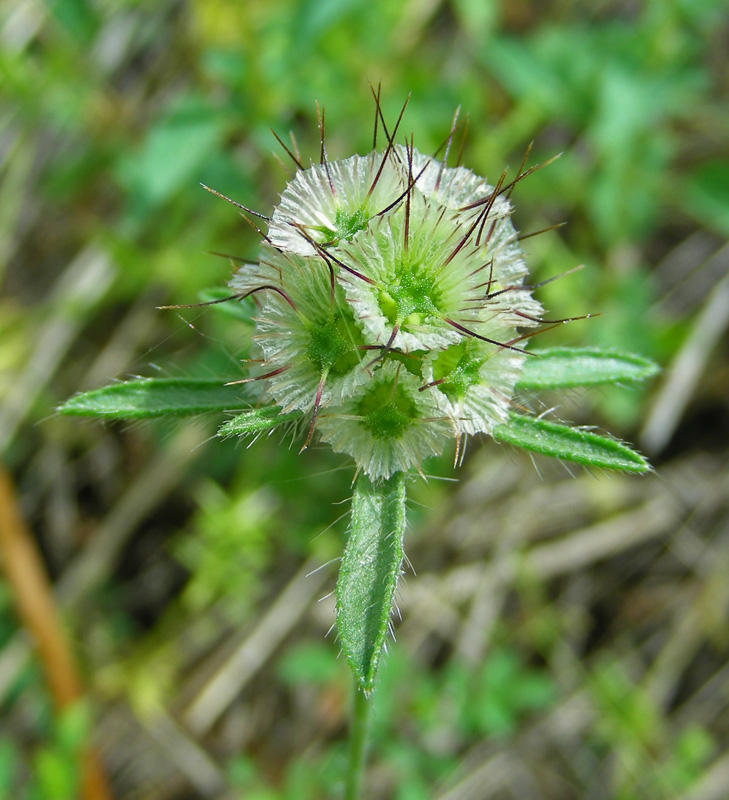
{"x":358,"y":743}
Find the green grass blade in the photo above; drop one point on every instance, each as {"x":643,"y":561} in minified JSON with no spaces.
{"x":257,"y":420}
{"x":156,"y":397}
{"x":565,"y":367}
{"x":368,"y":576}
{"x":571,"y":444}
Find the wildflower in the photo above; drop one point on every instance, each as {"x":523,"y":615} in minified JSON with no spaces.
{"x":393,"y":299}
{"x":393,"y":314}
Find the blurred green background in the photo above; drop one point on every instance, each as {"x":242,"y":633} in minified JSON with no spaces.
{"x":562,"y":637}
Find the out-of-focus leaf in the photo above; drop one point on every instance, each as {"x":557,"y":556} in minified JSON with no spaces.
{"x":477,"y":17}
{"x":314,"y":17}
{"x":77,"y":17}
{"x":505,"y":691}
{"x":525,"y":74}
{"x":172,"y":154}
{"x":155,"y":397}
{"x":312,"y":662}
{"x":571,"y":444}
{"x":57,"y":774}
{"x":707,"y":195}
{"x":72,"y":727}
{"x":565,"y":367}
{"x":227,"y":549}
{"x":8,"y":766}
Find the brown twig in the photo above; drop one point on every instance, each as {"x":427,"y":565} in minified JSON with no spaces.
{"x":28,"y":580}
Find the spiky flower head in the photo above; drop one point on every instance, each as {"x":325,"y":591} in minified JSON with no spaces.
{"x":391,"y":305}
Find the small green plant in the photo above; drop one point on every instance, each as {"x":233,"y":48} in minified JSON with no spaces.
{"x":392,"y":317}
{"x":56,"y":774}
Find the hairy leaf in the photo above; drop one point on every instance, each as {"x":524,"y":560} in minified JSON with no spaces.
{"x":572,"y":444}
{"x":155,"y":397}
{"x":369,"y":572}
{"x":565,"y":367}
{"x":256,"y":420}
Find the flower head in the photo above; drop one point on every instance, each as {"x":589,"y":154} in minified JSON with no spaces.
{"x":391,"y":302}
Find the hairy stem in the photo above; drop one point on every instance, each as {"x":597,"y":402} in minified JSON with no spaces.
{"x":358,"y":743}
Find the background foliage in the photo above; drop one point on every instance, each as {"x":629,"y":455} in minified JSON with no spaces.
{"x":563,"y":638}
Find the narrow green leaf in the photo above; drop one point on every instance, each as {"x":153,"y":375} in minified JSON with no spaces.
{"x":565,"y":367}
{"x":256,"y":420}
{"x":156,"y":397}
{"x":571,"y":444}
{"x":369,"y":572}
